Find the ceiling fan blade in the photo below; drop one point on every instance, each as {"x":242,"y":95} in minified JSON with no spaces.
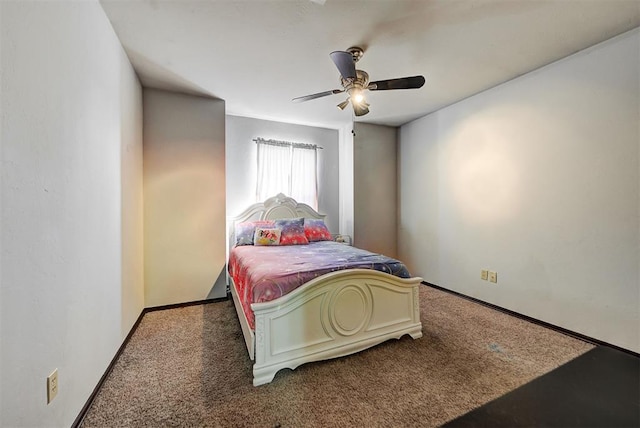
{"x":318,"y":95}
{"x":360,"y":110}
{"x":413,"y":82}
{"x":344,"y":62}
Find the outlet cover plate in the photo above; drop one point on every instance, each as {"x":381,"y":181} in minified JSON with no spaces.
{"x":484,"y":274}
{"x":493,"y":276}
{"x":52,"y":386}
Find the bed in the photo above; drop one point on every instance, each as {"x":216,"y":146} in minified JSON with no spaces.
{"x":337,"y":312}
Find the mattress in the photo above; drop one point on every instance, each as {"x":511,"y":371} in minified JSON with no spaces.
{"x":265,"y":273}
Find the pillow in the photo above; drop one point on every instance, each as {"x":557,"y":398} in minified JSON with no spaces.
{"x":292,"y":231}
{"x":316,"y":230}
{"x":244,"y":231}
{"x":266,"y":236}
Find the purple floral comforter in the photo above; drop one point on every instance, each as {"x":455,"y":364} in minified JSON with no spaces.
{"x":264,"y":273}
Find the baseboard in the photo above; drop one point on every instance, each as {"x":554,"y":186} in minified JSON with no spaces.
{"x":182,"y":305}
{"x":559,"y":329}
{"x":87,"y":405}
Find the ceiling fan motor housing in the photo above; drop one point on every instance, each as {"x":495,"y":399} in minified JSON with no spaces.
{"x":360,"y":82}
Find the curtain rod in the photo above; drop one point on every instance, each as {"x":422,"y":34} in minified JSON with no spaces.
{"x":286,"y":143}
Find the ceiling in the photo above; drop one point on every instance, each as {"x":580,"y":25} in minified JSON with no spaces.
{"x":258,"y":55}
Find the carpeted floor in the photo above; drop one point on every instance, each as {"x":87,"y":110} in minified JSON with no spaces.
{"x":189,"y":367}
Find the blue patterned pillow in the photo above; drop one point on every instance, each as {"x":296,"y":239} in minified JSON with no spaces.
{"x":292,"y":231}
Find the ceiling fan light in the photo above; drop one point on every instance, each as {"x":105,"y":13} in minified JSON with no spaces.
{"x":360,"y":110}
{"x":357,"y":97}
{"x":343,"y":104}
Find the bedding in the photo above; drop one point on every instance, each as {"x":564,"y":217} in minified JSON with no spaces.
{"x":265,"y":273}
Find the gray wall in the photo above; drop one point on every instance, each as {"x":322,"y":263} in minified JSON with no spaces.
{"x":537,"y":179}
{"x":184,"y":198}
{"x":374,"y":188}
{"x":242,"y":162}
{"x":71,"y":218}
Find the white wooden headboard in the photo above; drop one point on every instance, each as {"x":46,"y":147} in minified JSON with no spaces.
{"x":279,"y":206}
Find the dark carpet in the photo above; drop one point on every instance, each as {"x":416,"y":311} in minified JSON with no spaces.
{"x":599,"y":389}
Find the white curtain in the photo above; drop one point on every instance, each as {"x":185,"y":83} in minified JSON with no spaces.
{"x":274,"y":166}
{"x":304,"y":187}
{"x":287,"y":168}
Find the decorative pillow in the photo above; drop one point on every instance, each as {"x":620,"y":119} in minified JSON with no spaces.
{"x":266,"y":236}
{"x":292,"y":231}
{"x":244,"y":231}
{"x":316,"y":230}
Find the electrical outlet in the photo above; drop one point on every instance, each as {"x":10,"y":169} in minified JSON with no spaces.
{"x":484,"y":274}
{"x":493,"y":276}
{"x":52,"y":386}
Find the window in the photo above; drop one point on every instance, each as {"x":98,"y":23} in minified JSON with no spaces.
{"x":289,"y":168}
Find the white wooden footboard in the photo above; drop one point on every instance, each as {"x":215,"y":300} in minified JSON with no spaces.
{"x":337,"y":314}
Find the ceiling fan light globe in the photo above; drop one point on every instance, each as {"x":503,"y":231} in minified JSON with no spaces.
{"x":343,"y":104}
{"x":360,"y":110}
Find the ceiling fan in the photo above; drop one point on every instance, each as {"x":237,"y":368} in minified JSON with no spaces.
{"x":355,"y":82}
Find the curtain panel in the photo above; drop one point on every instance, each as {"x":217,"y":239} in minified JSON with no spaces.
{"x":289,"y":168}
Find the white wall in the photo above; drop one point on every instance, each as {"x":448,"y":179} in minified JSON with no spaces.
{"x":537,"y":179}
{"x":184,"y":198}
{"x":71,"y":108}
{"x":375,"y":188}
{"x":132,"y":202}
{"x":242,"y":163}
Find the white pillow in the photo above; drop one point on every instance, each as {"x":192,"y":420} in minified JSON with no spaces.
{"x":264,"y":236}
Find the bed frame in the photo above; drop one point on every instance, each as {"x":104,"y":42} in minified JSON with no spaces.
{"x":336,"y":314}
